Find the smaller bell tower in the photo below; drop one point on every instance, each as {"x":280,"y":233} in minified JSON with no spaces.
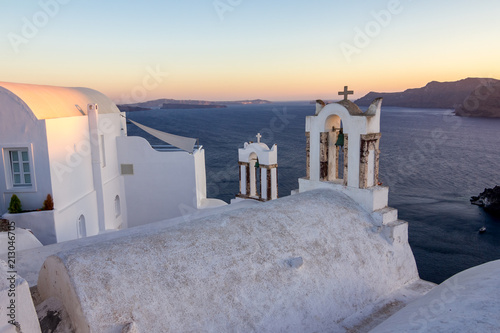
{"x":258,"y":166}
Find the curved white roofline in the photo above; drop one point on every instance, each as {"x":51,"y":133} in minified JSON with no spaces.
{"x":48,"y":102}
{"x":257,"y":145}
{"x":264,"y":154}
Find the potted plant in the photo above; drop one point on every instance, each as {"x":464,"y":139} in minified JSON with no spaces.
{"x":48,"y":204}
{"x":15,"y":206}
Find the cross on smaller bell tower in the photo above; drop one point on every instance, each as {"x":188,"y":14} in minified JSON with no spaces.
{"x":258,"y":137}
{"x":346,"y":93}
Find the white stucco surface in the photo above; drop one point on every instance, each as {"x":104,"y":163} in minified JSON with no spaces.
{"x":47,"y":102}
{"x":371,"y":199}
{"x":29,"y":262}
{"x":41,"y":223}
{"x":15,"y":293}
{"x":467,"y":302}
{"x":163,"y":184}
{"x":24,"y":240}
{"x":302,"y":263}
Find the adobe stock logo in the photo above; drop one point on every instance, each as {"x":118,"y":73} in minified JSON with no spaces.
{"x":363,"y":37}
{"x":223,"y":6}
{"x":31,"y":27}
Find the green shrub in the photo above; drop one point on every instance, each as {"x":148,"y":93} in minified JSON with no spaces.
{"x":15,"y":205}
{"x":48,"y":204}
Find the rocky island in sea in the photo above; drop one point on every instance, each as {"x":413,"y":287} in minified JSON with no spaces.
{"x":471,"y":97}
{"x":166,"y":103}
{"x":167,"y":106}
{"x":489,"y":199}
{"x":129,"y":108}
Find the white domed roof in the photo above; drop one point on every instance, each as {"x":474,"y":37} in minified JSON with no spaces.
{"x":48,"y":102}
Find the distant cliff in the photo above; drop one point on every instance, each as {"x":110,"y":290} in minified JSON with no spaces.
{"x":446,"y":95}
{"x":482,"y":102}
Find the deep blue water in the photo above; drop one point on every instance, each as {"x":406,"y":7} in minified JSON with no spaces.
{"x":432,"y":161}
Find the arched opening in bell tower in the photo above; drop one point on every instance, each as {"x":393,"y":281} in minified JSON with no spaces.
{"x":254,"y":169}
{"x":333,"y":159}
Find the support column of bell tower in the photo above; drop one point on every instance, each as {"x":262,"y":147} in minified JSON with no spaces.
{"x":346,"y":158}
{"x":333,"y":155}
{"x":244,"y":179}
{"x":308,"y":155}
{"x":323,"y":156}
{"x":269,"y":182}
{"x":369,"y":160}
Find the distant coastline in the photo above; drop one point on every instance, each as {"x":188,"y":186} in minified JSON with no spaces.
{"x":471,"y":97}
{"x":167,"y":106}
{"x":166,"y":103}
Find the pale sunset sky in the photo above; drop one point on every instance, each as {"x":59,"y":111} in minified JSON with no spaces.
{"x":246,"y":49}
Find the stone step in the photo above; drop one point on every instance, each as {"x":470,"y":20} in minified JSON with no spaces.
{"x":396,"y":232}
{"x":385,"y":216}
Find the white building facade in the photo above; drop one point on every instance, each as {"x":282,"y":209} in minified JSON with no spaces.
{"x":72,"y":143}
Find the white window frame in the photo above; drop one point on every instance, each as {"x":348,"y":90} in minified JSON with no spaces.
{"x":9,"y":171}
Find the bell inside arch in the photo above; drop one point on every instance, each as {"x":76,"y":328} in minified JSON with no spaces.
{"x":340,"y":139}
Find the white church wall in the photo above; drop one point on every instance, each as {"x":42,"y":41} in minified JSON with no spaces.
{"x":72,"y":178}
{"x":163,"y":184}
{"x":19,"y":129}
{"x":42,"y":224}
{"x":115,"y":213}
{"x":68,"y":219}
{"x":70,"y":158}
{"x":111,"y":126}
{"x":201,"y":176}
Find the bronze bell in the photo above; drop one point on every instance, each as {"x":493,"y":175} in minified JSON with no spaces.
{"x":340,"y":139}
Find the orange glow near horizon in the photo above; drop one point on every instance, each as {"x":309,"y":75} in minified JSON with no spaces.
{"x":234,"y":58}
{"x":271,"y":84}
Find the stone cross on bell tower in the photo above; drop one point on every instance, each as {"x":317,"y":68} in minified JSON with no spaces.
{"x":346,"y":93}
{"x":258,"y":137}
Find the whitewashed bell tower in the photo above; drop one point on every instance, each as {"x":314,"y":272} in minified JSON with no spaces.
{"x":342,"y":129}
{"x":360,"y":132}
{"x":258,"y":167}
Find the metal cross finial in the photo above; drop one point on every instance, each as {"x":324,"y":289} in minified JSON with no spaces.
{"x":346,"y":93}
{"x":258,"y":137}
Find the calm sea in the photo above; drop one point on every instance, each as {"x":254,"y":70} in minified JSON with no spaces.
{"x":432,"y":161}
